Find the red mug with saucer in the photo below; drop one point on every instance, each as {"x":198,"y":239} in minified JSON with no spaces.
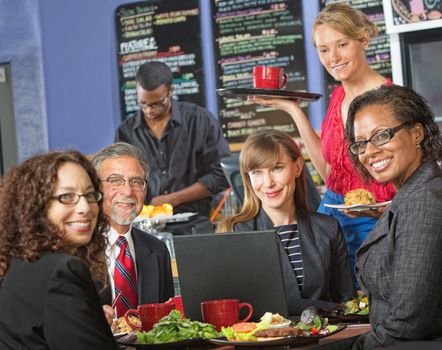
{"x":224,"y":313}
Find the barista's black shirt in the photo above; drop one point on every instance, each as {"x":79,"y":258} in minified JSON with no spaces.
{"x":188,"y":152}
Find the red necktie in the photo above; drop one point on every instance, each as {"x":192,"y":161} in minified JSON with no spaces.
{"x":125,"y":279}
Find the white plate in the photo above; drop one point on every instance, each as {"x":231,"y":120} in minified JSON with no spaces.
{"x":119,"y":335}
{"x":280,"y":325}
{"x":357,"y":207}
{"x":174,"y":218}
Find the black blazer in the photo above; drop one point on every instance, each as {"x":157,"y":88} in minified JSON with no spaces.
{"x":154,"y":272}
{"x":52,"y":303}
{"x":327,"y":273}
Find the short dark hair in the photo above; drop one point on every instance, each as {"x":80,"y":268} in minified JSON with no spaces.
{"x":153,"y":74}
{"x":405,"y":105}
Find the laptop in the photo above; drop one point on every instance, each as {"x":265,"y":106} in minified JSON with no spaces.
{"x":240,"y":265}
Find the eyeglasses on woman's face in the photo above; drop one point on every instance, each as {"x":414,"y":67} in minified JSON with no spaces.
{"x":117,"y":182}
{"x":378,"y":139}
{"x":74,"y":198}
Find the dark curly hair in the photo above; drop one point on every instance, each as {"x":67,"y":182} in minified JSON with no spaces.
{"x":25,"y":230}
{"x":405,"y":105}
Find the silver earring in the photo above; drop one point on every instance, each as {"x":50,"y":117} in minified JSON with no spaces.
{"x":418,"y":146}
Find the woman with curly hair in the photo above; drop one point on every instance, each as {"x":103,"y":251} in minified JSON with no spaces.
{"x":394,"y":138}
{"x":51,"y":249}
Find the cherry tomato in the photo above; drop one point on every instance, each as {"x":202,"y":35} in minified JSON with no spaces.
{"x":314,"y":330}
{"x":244,"y":327}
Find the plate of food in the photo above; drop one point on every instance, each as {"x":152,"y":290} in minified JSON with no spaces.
{"x":162,"y":213}
{"x":261,"y":334}
{"x":171,"y":331}
{"x":355,"y":310}
{"x":244,"y":93}
{"x":121,"y":328}
{"x":132,"y":340}
{"x":357,"y":207}
{"x":358,"y":200}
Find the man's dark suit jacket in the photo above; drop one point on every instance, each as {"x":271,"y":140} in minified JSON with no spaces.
{"x":327,"y":274}
{"x":52,"y":303}
{"x":154,"y":272}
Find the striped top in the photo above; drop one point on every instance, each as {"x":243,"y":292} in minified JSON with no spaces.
{"x":289,"y":236}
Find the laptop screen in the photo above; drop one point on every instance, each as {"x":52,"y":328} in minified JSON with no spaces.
{"x":240,"y":265}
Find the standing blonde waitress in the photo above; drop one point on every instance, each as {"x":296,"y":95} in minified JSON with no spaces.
{"x":341,"y":35}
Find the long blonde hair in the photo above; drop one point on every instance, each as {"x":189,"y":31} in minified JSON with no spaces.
{"x":262,"y":150}
{"x":347,"y":20}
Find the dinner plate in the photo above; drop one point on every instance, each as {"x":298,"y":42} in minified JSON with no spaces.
{"x":290,"y":340}
{"x":119,"y":335}
{"x":243,"y":93}
{"x":357,"y":207}
{"x":131,"y":340}
{"x":174,"y":218}
{"x":352,"y":318}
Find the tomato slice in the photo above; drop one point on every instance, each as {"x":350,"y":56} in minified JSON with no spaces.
{"x":244,"y":327}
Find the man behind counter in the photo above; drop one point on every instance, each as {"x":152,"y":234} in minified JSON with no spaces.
{"x":182,"y":142}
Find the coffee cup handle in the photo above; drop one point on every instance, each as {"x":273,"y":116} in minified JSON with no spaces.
{"x":126,"y":317}
{"x":284,"y":80}
{"x":248,"y":306}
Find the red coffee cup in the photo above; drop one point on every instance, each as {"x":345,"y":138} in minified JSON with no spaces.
{"x":265,"y":77}
{"x":149,"y":314}
{"x":178,"y":301}
{"x":224,"y":313}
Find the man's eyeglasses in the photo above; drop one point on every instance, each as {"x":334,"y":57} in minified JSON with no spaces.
{"x":74,"y":198}
{"x":378,"y":139}
{"x":155,"y":105}
{"x":136,"y":183}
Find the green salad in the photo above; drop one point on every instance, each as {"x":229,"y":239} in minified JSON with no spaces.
{"x":173,"y":328}
{"x":315,"y":326}
{"x":358,"y":306}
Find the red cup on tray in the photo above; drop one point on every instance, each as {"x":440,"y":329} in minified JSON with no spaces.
{"x":149,"y":314}
{"x":224,"y":313}
{"x":266,"y":77}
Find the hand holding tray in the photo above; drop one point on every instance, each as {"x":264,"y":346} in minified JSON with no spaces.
{"x":243,"y":93}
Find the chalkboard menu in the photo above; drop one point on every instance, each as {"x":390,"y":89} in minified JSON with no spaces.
{"x":378,"y":53}
{"x":413,"y":11}
{"x":166,"y":31}
{"x":412,"y":15}
{"x":250,"y":33}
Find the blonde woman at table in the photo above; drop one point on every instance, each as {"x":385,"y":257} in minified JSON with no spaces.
{"x":51,"y":248}
{"x":394,"y":138}
{"x":341,"y":34}
{"x":314,"y":257}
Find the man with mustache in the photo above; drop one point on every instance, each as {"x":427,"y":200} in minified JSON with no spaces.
{"x":123,"y":173}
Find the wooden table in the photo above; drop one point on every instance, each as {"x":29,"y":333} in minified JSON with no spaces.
{"x":351,"y":331}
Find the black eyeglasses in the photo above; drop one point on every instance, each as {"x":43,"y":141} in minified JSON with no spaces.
{"x":74,"y":198}
{"x":117,"y":182}
{"x":378,"y":139}
{"x":155,"y":105}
